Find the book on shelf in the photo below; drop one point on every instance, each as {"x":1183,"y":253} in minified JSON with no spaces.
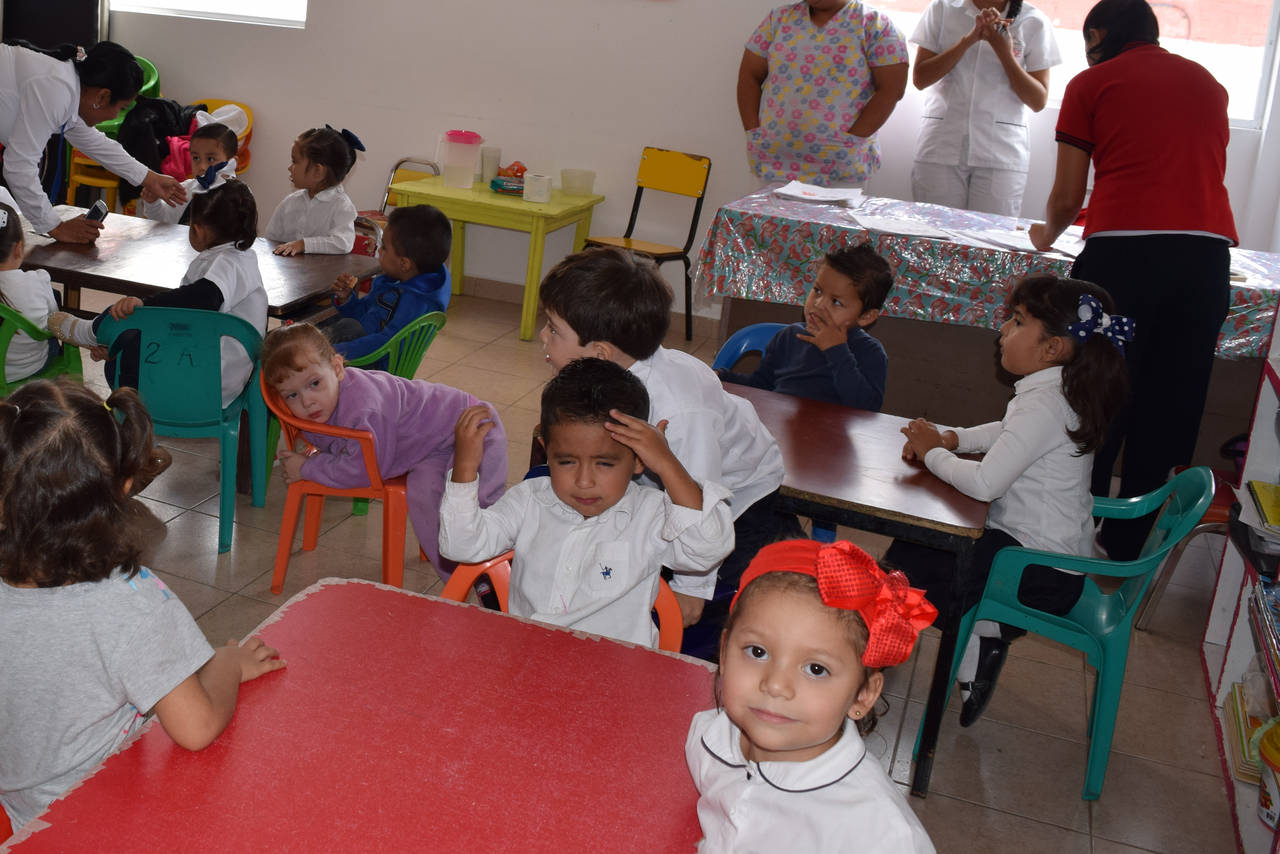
{"x":1264,"y":620}
{"x":1240,"y":726}
{"x":1266,"y":498}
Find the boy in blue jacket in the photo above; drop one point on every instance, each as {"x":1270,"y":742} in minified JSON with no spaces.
{"x":413,"y":282}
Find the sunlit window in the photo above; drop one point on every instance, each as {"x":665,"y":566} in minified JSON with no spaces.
{"x":281,"y":13}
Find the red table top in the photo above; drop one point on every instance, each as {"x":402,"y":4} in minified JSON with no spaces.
{"x":407,"y":723}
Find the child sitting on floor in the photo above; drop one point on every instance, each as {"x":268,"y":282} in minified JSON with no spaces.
{"x":614,"y":305}
{"x":588,"y":541}
{"x":831,"y":356}
{"x":319,"y":218}
{"x":29,"y":293}
{"x":414,"y":282}
{"x":213,"y":163}
{"x":780,"y":764}
{"x":92,"y":642}
{"x":411,"y":422}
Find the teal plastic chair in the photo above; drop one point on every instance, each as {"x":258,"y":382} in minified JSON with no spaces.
{"x":180,"y":381}
{"x":11,"y":323}
{"x":403,"y":353}
{"x":1101,"y":623}
{"x":753,"y":339}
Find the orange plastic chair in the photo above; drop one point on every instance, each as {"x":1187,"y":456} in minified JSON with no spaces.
{"x":498,"y":571}
{"x":390,"y":492}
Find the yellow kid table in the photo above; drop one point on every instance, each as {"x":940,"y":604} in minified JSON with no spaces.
{"x":483,"y":206}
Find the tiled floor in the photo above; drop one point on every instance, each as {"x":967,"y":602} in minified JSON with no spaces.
{"x":1010,"y":783}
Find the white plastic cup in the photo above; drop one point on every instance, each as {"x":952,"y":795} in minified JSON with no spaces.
{"x":490,"y":156}
{"x":537,"y":187}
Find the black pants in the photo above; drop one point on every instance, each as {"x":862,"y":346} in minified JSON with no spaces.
{"x":1042,"y":587}
{"x":758,"y":526}
{"x":1177,"y":288}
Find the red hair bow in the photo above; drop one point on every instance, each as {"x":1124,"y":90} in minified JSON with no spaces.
{"x":848,"y":578}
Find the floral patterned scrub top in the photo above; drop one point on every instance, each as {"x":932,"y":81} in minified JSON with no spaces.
{"x":819,"y":81}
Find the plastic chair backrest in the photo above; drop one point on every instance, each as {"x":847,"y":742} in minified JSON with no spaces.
{"x":405,"y":350}
{"x":214,"y":103}
{"x":11,"y":323}
{"x":673,"y":172}
{"x":180,"y":360}
{"x":748,"y":339}
{"x":150,"y":89}
{"x":294,"y":426}
{"x":403,"y":171}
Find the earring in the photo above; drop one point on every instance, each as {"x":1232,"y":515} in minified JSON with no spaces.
{"x":858,"y":713}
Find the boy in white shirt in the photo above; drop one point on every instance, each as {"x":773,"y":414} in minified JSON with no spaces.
{"x":589,"y":542}
{"x":213,"y":162}
{"x":613,"y":305}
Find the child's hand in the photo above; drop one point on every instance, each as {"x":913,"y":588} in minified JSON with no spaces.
{"x":291,"y":462}
{"x":124,"y":307}
{"x":344,"y":285}
{"x":823,"y":332}
{"x":256,"y":658}
{"x":98,"y":353}
{"x":468,"y":442}
{"x":690,"y":608}
{"x":923,"y":437}
{"x":648,"y":441}
{"x":293,"y":247}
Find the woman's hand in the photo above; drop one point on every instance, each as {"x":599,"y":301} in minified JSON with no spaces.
{"x":157,"y":187}
{"x":1040,"y":236}
{"x":78,"y":230}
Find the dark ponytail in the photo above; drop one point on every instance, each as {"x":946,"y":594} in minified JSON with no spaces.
{"x":1095,"y":379}
{"x":333,"y":150}
{"x":106,"y":65}
{"x":229,"y":212}
{"x":1124,"y":22}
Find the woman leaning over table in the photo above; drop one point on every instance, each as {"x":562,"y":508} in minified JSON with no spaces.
{"x":67,"y":91}
{"x":1157,"y":235}
{"x":818,"y":79}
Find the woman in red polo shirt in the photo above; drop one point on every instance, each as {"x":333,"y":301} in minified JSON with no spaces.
{"x":1157,"y":235}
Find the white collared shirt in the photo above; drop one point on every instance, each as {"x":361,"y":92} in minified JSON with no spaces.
{"x":597,"y":574}
{"x":1037,"y":485}
{"x":841,"y":801}
{"x":326,"y":224}
{"x":236,"y":274}
{"x":159,"y":211}
{"x":29,"y":293}
{"x":974,"y":98}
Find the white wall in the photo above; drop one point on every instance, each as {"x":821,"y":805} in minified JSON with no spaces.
{"x":556,"y":83}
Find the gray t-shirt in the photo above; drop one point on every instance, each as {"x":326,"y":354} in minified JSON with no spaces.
{"x":79,"y":667}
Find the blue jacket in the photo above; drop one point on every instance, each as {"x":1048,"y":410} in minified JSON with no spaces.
{"x":392,"y":305}
{"x":853,"y":374}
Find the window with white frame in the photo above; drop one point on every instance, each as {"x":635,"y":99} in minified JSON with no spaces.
{"x":1235,"y":41}
{"x":281,"y":13}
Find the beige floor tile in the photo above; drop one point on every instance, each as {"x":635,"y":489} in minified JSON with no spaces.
{"x":523,"y":360}
{"x":1162,"y":808}
{"x":1168,"y":728}
{"x":270,"y":516}
{"x":450,"y":348}
{"x":163,"y":512}
{"x":1041,"y":697}
{"x":1181,"y":613}
{"x":235,"y":617}
{"x":475,"y":327}
{"x":1041,"y":649}
{"x":190,"y":480}
{"x":429,"y":367}
{"x":191,"y":551}
{"x":496,"y":388}
{"x":306,"y":568}
{"x":362,"y":536}
{"x":1104,"y":846}
{"x":707,"y":350}
{"x":199,"y":598}
{"x":519,"y":424}
{"x":881,"y":741}
{"x":1169,"y":664}
{"x":958,"y":826}
{"x":199,"y":446}
{"x":531,"y":400}
{"x":517,"y":461}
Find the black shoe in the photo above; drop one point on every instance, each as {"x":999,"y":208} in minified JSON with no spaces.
{"x":991,"y":655}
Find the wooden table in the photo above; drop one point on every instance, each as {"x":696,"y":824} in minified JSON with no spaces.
{"x":845,"y":466}
{"x":483,"y":206}
{"x":406,"y":723}
{"x":139,"y":257}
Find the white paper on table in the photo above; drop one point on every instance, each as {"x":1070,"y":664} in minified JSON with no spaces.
{"x":1020,"y":241}
{"x":893,"y":225}
{"x":813,"y":193}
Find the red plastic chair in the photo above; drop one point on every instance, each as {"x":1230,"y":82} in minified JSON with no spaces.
{"x":390,"y":492}
{"x":498,"y":571}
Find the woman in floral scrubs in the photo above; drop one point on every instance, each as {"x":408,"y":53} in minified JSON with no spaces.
{"x":818,"y":79}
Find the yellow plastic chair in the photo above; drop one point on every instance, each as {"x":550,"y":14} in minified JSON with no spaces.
{"x":498,"y":571}
{"x":242,"y":139}
{"x":85,"y":172}
{"x":667,"y":172}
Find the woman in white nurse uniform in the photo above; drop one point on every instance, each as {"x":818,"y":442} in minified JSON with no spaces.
{"x":985,"y":68}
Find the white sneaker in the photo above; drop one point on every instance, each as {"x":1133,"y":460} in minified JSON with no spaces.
{"x":67,"y":327}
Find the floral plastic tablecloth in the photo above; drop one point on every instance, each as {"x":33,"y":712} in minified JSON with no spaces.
{"x":767,"y":248}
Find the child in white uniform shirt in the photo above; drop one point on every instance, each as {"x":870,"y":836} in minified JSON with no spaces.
{"x":1063,"y":342}
{"x":611,"y":304}
{"x":223,"y":277}
{"x":781,"y":765}
{"x":589,"y":542}
{"x":27,"y":292}
{"x":983,"y":76}
{"x":319,"y":218}
{"x":213,"y":163}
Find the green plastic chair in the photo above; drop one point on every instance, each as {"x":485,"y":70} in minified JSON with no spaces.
{"x":1101,"y":623}
{"x":180,"y":381}
{"x":403,"y":353}
{"x":11,"y":323}
{"x":150,"y":89}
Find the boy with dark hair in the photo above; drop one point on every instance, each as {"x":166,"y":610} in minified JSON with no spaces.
{"x":831,"y":356}
{"x":613,"y":305}
{"x":213,"y":149}
{"x":589,"y":542}
{"x":413,"y":282}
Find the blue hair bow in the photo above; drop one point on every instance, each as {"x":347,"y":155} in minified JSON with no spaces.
{"x":350,"y":138}
{"x":1093,"y":320}
{"x":211,"y":175}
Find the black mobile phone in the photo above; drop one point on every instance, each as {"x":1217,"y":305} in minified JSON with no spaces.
{"x":98,"y":212}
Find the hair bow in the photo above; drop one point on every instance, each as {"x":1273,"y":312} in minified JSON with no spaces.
{"x":4,"y":218}
{"x":350,"y":138}
{"x":210,"y":175}
{"x":1093,"y":320}
{"x":848,"y":578}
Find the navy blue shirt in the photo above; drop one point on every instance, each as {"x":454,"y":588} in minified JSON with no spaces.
{"x":852,"y":374}
{"x":391,"y":305}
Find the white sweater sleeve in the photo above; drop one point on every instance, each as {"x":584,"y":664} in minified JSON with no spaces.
{"x":468,"y":533}
{"x":106,"y":151}
{"x":43,"y":101}
{"x":700,"y":540}
{"x":1027,"y":433}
